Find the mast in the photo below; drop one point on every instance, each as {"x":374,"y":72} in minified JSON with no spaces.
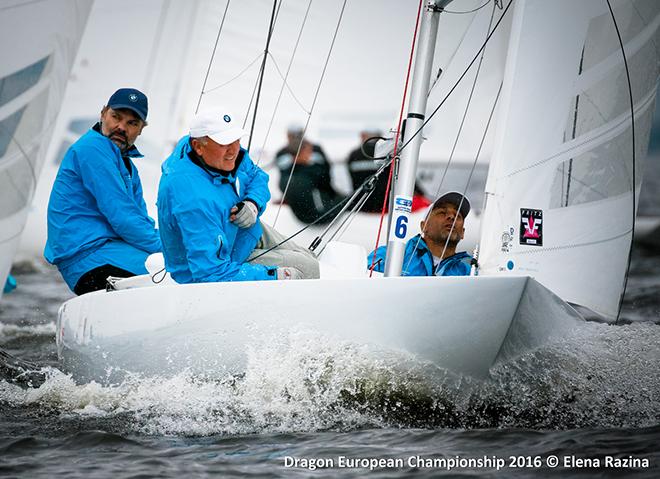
{"x":406,"y":168}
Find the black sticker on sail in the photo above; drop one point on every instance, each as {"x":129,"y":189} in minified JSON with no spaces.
{"x":531,"y":227}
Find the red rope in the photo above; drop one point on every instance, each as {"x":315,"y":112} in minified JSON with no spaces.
{"x":396,"y":140}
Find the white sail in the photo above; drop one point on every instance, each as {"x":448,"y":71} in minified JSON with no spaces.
{"x":441,"y":131}
{"x":40,"y":40}
{"x":559,"y":194}
{"x":158,"y":65}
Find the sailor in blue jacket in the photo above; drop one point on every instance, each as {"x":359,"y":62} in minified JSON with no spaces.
{"x":210,"y":198}
{"x":433,"y":253}
{"x":98,"y":224}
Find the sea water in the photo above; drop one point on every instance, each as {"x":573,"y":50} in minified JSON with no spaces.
{"x":588,"y":404}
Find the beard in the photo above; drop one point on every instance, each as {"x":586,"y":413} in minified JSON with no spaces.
{"x":444,"y":237}
{"x":120,"y":140}
{"x":118,"y":137}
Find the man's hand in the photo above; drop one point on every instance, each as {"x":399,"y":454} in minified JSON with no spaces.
{"x":288,"y":272}
{"x":244,"y":214}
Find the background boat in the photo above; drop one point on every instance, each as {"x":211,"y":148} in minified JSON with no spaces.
{"x":39,"y":46}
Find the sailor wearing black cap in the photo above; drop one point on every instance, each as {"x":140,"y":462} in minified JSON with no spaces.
{"x":433,"y":253}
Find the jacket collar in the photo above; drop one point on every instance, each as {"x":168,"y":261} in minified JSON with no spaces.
{"x":132,"y":152}
{"x":420,"y":245}
{"x":422,"y":249}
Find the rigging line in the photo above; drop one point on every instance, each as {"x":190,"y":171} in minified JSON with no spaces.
{"x":254,"y":90}
{"x":284,"y":82}
{"x":469,"y":11}
{"x":634,"y":176}
{"x":347,"y":200}
{"x":257,"y":58}
{"x":358,"y":204}
{"x":435,"y":111}
{"x":474,"y":164}
{"x":215,"y":46}
{"x":458,"y":134}
{"x":496,"y":4}
{"x":262,"y":71}
{"x":395,"y":158}
{"x":249,"y":108}
{"x":316,"y":94}
{"x":335,"y":220}
{"x":272,"y":119}
{"x":341,"y":203}
{"x":467,"y":107}
{"x":356,"y":194}
{"x":346,"y":223}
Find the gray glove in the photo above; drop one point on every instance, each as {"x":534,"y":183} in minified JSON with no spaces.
{"x":288,"y":272}
{"x":244,"y":214}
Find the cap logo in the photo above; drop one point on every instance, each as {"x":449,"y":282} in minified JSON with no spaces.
{"x":227,"y":118}
{"x":133,"y":97}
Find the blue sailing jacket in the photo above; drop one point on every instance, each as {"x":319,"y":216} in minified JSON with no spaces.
{"x":418,"y":261}
{"x":96,"y":212}
{"x":200,"y":244}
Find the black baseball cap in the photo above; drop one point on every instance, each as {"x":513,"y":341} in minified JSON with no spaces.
{"x":455,"y":198}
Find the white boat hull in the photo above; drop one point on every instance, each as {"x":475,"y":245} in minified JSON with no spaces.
{"x":463,"y":324}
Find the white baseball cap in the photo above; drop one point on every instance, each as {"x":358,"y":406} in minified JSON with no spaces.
{"x":218,"y":124}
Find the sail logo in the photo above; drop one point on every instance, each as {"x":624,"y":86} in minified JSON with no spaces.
{"x":403,"y":202}
{"x":531,"y":227}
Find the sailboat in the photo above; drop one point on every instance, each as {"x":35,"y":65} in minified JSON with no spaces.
{"x":40,"y":41}
{"x":571,"y":124}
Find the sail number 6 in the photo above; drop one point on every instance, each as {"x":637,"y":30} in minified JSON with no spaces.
{"x":401,"y":227}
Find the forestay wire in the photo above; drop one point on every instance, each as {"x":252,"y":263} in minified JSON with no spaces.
{"x":262,"y":71}
{"x":285,"y":77}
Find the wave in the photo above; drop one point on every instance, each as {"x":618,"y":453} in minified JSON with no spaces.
{"x":600,"y":376}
